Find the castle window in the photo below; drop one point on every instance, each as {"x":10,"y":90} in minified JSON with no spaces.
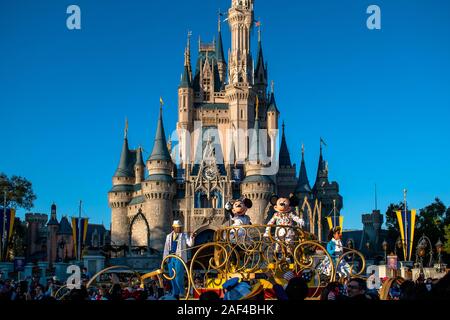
{"x":242,"y":114}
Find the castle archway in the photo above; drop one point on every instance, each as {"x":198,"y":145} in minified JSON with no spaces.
{"x":139,"y":232}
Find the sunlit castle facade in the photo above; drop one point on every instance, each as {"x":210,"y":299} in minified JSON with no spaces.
{"x":222,"y":104}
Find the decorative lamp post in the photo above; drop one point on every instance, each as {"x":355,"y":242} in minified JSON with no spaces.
{"x":420,"y":253}
{"x":439,"y":247}
{"x":61,"y":245}
{"x":385,"y":247}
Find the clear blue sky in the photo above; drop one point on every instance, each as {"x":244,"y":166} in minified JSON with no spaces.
{"x":380,"y":99}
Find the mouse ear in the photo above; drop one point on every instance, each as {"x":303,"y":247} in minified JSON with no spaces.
{"x":273,"y":199}
{"x":248,"y":203}
{"x":229,"y":205}
{"x":293,"y":200}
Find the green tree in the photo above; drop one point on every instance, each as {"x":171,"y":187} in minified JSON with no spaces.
{"x":392,"y":222}
{"x":431,"y":221}
{"x":447,"y":239}
{"x":19,"y":192}
{"x":17,"y":245}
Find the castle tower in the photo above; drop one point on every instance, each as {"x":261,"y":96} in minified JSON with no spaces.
{"x":239,"y":94}
{"x":221,"y":63}
{"x":327,"y":193}
{"x":139,"y":167}
{"x":372,"y":223}
{"x":303,"y":188}
{"x":52,"y":230}
{"x":185,"y":108}
{"x":159,"y":189}
{"x":121,"y":194}
{"x":65,"y":240}
{"x":272,"y":122}
{"x":260,"y":77}
{"x":36,"y":242}
{"x":240,"y":18}
{"x":286,"y":177}
{"x":257,"y":186}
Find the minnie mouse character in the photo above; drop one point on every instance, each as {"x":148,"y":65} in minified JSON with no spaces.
{"x":237,"y":209}
{"x":284,"y":216}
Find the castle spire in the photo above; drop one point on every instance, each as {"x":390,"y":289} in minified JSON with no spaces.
{"x":139,"y":159}
{"x":160,"y":151}
{"x":260,"y":71}
{"x":254,"y":154}
{"x":272,"y":102}
{"x":125,"y":168}
{"x":53,"y":220}
{"x":285,"y":158}
{"x":322,"y":169}
{"x":187,"y":57}
{"x":126,"y":129}
{"x":185,"y":81}
{"x":219,"y":45}
{"x":303,"y":185}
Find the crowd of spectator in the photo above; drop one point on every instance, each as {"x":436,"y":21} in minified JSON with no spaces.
{"x":295,"y":289}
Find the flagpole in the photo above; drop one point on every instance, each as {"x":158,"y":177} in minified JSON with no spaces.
{"x":406,"y":224}
{"x":79,"y":232}
{"x":334,"y":212}
{"x":3,"y":226}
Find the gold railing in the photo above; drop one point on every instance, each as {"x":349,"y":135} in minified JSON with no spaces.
{"x":246,"y":251}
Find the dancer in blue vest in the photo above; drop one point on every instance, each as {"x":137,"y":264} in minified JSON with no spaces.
{"x":176,"y":244}
{"x":335,"y":250}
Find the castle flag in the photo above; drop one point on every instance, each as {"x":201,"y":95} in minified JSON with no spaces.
{"x":407,"y":222}
{"x":78,"y":240}
{"x":335,"y":222}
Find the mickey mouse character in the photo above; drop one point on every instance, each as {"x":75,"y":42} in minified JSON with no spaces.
{"x":237,"y":209}
{"x":285,"y":215}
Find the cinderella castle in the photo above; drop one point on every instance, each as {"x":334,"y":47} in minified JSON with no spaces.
{"x":228,"y":146}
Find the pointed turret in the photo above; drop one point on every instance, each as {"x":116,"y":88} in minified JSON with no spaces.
{"x":254,"y":154}
{"x":160,"y":151}
{"x":322,"y":170}
{"x":185,"y":81}
{"x":219,"y":45}
{"x":272,"y":103}
{"x":260,"y":71}
{"x":125,"y":168}
{"x":64,"y":227}
{"x":285,"y":158}
{"x":159,"y":187}
{"x":187,"y":57}
{"x":186,"y":76}
{"x":303,"y":185}
{"x":139,"y":166}
{"x":256,"y":186}
{"x":53,"y":221}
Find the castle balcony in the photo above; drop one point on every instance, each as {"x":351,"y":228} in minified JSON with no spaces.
{"x":209,"y":212}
